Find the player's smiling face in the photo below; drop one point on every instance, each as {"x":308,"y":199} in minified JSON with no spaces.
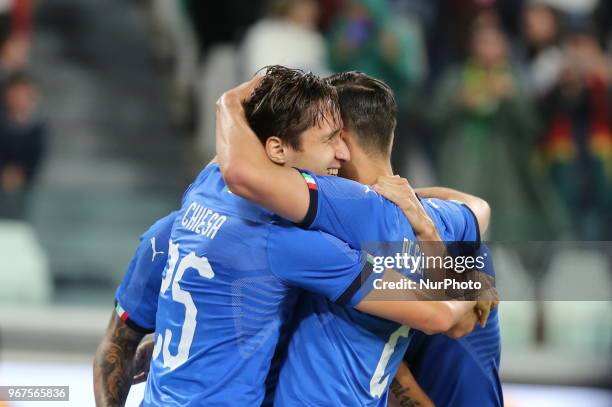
{"x":323,"y":151}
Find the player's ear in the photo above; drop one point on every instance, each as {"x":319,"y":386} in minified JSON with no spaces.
{"x":276,"y":151}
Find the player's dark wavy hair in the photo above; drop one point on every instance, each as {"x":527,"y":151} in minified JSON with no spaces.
{"x":368,"y":109}
{"x":289,"y":101}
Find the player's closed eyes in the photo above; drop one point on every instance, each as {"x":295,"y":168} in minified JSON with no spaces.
{"x":334,"y":137}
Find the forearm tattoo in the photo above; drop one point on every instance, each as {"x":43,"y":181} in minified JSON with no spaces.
{"x":402,"y":394}
{"x":113,"y":364}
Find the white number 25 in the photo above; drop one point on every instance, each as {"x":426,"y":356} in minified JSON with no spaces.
{"x":174,"y":274}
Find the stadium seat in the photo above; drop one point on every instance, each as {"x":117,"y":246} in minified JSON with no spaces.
{"x":25,"y":277}
{"x":516,"y":288}
{"x":574,"y":291}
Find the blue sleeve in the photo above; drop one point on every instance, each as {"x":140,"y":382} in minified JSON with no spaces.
{"x":458,"y":222}
{"x":351,"y":211}
{"x":137,"y":295}
{"x":318,"y":262}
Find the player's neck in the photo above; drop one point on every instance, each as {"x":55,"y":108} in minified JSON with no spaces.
{"x":369,"y":170}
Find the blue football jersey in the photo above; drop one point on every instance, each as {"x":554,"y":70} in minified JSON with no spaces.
{"x":228,"y":287}
{"x":463,"y":372}
{"x":136,"y":297}
{"x":338,"y":355}
{"x":137,"y":294}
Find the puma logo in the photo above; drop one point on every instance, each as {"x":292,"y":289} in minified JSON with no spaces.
{"x":155,"y":252}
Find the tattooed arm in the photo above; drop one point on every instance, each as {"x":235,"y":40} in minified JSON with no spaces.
{"x":406,"y":392}
{"x":113,"y":363}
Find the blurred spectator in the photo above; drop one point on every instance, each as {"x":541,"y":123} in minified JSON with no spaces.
{"x":370,"y":38}
{"x":15,"y":18}
{"x":5,"y":19}
{"x":541,"y":26}
{"x":576,"y":7}
{"x":329,"y":10}
{"x":287,"y":36}
{"x":14,"y":54}
{"x":603,"y":19}
{"x":177,"y":43}
{"x":577,"y":144}
{"x":15,"y":31}
{"x":449,"y":33}
{"x":486,"y":128}
{"x":221,"y":22}
{"x":22,"y":137}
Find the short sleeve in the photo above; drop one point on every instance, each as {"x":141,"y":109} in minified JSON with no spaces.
{"x":317,"y":262}
{"x":137,"y":295}
{"x":347,"y":209}
{"x":458,"y":221}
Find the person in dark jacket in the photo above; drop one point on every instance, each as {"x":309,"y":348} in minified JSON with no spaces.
{"x":22,"y":140}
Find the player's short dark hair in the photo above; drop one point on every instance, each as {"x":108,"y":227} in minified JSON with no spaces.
{"x":288,"y":102}
{"x":368,"y":109}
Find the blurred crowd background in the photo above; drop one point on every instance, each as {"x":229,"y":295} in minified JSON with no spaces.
{"x":506,"y":99}
{"x":509,"y":100}
{"x":22,"y":131}
{"x":107,"y":114}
